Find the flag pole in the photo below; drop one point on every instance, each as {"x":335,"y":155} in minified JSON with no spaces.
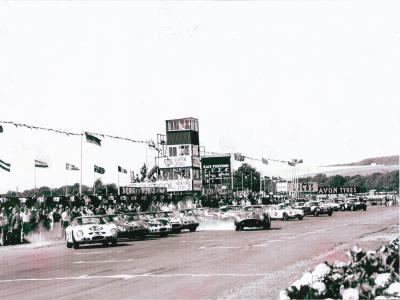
{"x":118,"y":183}
{"x":94,"y":182}
{"x":34,"y":174}
{"x":80,"y":182}
{"x":66,"y":182}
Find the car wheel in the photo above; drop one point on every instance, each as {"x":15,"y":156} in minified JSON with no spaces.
{"x":105,"y":244}
{"x":114,"y":243}
{"x":330,"y":213}
{"x":178,"y":230}
{"x":316,"y":213}
{"x":69,"y":245}
{"x":193,"y":229}
{"x":142,"y":236}
{"x":237,"y":227}
{"x":163,"y":234}
{"x":285,"y":217}
{"x":365,"y":208}
{"x":267,"y":225}
{"x":301,"y":218}
{"x":75,"y":243}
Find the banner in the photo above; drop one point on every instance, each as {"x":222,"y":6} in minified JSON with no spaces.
{"x":339,"y":190}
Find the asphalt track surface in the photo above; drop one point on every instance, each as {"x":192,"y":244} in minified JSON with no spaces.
{"x":207,"y":264}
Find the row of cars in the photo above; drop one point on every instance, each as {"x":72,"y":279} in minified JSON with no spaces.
{"x":261,"y":215}
{"x":106,"y":229}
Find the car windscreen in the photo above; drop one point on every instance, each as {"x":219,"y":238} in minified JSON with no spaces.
{"x":166,"y":215}
{"x":86,"y":221}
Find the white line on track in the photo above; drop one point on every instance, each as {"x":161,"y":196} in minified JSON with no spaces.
{"x":98,"y":252}
{"x":133,"y":276}
{"x":102,"y":261}
{"x":201,"y":241}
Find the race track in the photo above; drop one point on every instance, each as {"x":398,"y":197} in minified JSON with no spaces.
{"x":207,"y":264}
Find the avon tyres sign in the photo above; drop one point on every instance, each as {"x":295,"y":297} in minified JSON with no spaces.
{"x":339,"y":190}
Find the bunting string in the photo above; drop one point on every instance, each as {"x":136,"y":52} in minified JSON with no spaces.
{"x":74,"y":133}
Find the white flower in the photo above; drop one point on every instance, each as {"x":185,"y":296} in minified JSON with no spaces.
{"x":306,"y":279}
{"x":356,"y":249}
{"x":283,"y":295}
{"x":339,"y":264}
{"x":297,"y":284}
{"x":321,"y":271}
{"x":320,"y":287}
{"x":394,"y":289}
{"x":350,"y":294}
{"x":336,"y":276}
{"x":382,"y":279}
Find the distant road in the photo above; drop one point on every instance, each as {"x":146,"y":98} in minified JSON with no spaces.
{"x":202,"y":265}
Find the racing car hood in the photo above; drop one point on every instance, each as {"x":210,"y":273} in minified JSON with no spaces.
{"x":249,"y":215}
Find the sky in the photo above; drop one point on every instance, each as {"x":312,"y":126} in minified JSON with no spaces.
{"x":317,"y":80}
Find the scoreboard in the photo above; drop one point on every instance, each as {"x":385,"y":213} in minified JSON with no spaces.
{"x":216,"y":171}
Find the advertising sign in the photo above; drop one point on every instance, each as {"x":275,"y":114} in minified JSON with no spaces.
{"x":339,"y":190}
{"x":308,"y":187}
{"x":179,"y":161}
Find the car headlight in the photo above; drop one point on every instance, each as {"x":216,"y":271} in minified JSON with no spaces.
{"x":120,"y":228}
{"x":79,"y":233}
{"x":113,"y":231}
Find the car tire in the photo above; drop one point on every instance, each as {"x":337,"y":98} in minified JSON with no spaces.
{"x":114,"y":243}
{"x":76,"y":245}
{"x":164,"y":234}
{"x":105,"y":244}
{"x":301,"y":218}
{"x":267,"y":226}
{"x":365,"y":208}
{"x":237,"y":227}
{"x":193,"y":229}
{"x":285,"y":217}
{"x":69,"y":245}
{"x":330,"y":213}
{"x":316,"y":213}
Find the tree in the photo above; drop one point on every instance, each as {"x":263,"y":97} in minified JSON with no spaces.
{"x":250,"y":176}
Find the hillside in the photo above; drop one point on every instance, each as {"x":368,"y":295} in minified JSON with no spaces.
{"x":382,"y":160}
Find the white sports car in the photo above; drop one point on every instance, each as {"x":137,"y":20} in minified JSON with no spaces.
{"x":285,"y":212}
{"x":90,"y":230}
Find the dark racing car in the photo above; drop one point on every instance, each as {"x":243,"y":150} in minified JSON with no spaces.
{"x":189,"y":220}
{"x":252,"y":216}
{"x":129,"y":225}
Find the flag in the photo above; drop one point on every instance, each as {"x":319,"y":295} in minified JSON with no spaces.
{"x":151,"y":144}
{"x":99,"y":170}
{"x":92,"y":139}
{"x":264,"y":161}
{"x":1,"y":128}
{"x":71,"y":167}
{"x":5,"y":166}
{"x":122,"y":170}
{"x":40,"y":164}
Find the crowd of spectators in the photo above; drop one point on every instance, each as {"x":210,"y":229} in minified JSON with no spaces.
{"x":19,"y":220}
